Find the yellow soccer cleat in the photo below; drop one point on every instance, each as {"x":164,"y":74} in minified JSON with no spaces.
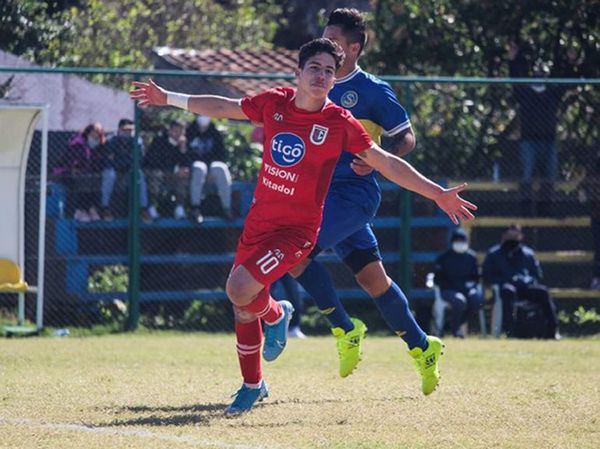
{"x":349,"y":346}
{"x":427,"y":363}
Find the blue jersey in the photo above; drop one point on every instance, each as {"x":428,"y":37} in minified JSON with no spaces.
{"x":374,"y":103}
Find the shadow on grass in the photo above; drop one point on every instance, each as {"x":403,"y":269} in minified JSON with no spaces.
{"x":196,"y":414}
{"x":204,"y":414}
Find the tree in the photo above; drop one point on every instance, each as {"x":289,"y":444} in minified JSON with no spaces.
{"x":28,"y":26}
{"x":464,"y":127}
{"x":122,"y":34}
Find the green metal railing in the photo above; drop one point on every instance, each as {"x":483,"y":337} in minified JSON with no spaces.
{"x":408,"y":84}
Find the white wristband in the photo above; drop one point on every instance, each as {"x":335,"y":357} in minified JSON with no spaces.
{"x":178,"y":100}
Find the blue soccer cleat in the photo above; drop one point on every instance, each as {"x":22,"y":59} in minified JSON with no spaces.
{"x":245,"y":398}
{"x":276,"y":335}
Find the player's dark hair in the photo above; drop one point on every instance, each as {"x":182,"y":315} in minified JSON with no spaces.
{"x":352,"y":23}
{"x":125,"y":122}
{"x":321,"y":45}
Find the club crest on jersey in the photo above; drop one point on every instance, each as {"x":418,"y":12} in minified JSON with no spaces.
{"x":349,"y":99}
{"x":287,"y":149}
{"x":318,"y":134}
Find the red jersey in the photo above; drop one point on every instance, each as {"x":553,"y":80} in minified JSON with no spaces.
{"x":301,"y":149}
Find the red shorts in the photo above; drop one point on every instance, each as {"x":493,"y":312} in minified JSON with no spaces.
{"x":268,"y":258}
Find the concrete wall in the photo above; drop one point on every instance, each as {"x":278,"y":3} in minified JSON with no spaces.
{"x":74,"y":101}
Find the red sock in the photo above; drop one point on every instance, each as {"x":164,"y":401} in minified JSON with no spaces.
{"x":249,"y":339}
{"x":265,"y":307}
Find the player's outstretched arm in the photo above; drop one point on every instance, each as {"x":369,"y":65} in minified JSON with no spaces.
{"x":405,"y":175}
{"x":151,"y":94}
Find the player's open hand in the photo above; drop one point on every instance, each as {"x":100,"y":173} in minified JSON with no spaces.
{"x":360,"y":167}
{"x":456,"y":207}
{"x":148,"y":94}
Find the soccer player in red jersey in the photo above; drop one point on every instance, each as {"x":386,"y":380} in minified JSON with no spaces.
{"x":304,"y":134}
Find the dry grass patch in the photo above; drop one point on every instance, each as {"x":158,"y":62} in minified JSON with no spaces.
{"x":165,"y":390}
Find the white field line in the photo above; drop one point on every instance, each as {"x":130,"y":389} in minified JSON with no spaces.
{"x":187,"y":439}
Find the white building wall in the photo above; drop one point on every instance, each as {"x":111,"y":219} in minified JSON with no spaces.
{"x":74,"y":102}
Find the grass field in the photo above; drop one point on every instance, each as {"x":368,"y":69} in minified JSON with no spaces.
{"x":169,"y":391}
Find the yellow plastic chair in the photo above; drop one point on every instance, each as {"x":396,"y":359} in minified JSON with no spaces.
{"x":11,"y":280}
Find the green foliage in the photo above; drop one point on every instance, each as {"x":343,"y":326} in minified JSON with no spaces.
{"x":580,"y":316}
{"x":245,"y":156}
{"x":28,"y":27}
{"x":109,"y":279}
{"x":107,"y":33}
{"x":464,"y":127}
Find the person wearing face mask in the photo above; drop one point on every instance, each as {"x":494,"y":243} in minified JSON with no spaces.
{"x":80,"y":169}
{"x":538,"y":107}
{"x":516,"y":270}
{"x":166,"y":168}
{"x":207,"y":154}
{"x":457,"y":275}
{"x":116,"y":164}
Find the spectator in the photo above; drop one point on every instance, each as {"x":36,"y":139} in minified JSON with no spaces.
{"x":206,"y":157}
{"x":165,"y":166}
{"x":116,"y":164}
{"x":457,"y":276}
{"x":538,"y":108}
{"x":589,"y":191}
{"x":515,"y":269}
{"x":292,"y":294}
{"x":79,"y":171}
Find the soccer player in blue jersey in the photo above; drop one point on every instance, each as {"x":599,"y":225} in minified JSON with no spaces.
{"x":351,"y":204}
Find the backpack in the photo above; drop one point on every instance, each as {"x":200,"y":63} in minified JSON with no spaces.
{"x":529,"y":320}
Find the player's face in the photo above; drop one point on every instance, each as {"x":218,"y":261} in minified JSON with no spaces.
{"x":318,"y":75}
{"x":335,"y":34}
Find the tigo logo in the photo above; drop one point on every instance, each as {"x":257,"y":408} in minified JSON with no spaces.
{"x":287,"y":149}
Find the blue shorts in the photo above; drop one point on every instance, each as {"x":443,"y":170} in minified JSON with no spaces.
{"x":346,"y":228}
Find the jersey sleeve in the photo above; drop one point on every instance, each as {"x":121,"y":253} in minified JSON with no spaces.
{"x":389,"y":113}
{"x":356,"y":138}
{"x":254,"y":106}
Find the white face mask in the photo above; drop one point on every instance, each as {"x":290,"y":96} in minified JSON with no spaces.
{"x":203,"y":121}
{"x":539,"y":88}
{"x":93,"y":143}
{"x":460,"y":247}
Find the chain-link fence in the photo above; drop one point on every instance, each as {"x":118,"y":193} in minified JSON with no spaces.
{"x":527,"y":151}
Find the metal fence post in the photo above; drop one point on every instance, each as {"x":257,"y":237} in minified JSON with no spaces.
{"x":405,"y":216}
{"x":134,"y":228}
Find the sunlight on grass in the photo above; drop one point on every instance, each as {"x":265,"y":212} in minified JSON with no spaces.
{"x":169,"y":390}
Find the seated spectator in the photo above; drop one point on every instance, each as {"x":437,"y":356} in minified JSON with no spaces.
{"x":79,"y":170}
{"x":457,"y":276}
{"x":589,"y":192}
{"x":207,"y":155}
{"x":116,"y":164}
{"x":516,"y":270}
{"x":166,"y":168}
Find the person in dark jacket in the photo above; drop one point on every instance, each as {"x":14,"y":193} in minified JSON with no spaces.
{"x":516,"y":270}
{"x":457,"y":276}
{"x":79,"y":170}
{"x":116,"y":165}
{"x":166,"y":167}
{"x":207,"y":156}
{"x":538,"y":107}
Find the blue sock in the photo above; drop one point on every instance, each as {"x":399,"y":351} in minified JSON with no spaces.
{"x":393,"y":306}
{"x":318,"y":284}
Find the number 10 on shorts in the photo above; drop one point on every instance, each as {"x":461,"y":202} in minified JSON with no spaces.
{"x":268,"y":262}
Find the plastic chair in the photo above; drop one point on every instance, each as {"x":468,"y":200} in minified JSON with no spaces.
{"x":439,"y":313}
{"x":496,"y":323}
{"x":11,"y":280}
